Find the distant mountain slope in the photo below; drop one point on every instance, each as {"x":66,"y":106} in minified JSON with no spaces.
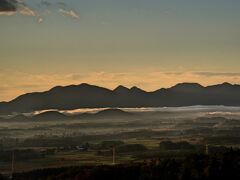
{"x":56,"y":116}
{"x":112,"y":113}
{"x":104,"y":114}
{"x":50,"y":115}
{"x":89,"y":96}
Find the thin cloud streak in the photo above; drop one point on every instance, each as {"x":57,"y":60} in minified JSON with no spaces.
{"x":210,"y":74}
{"x":70,"y":13}
{"x":7,"y":13}
{"x":27,"y":11}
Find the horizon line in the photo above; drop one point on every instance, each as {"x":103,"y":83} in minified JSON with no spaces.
{"x":122,"y":86}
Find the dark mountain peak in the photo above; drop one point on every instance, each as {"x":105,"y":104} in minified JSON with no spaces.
{"x":50,"y":115}
{"x":56,"y":88}
{"x":227,"y":84}
{"x":135,"y":89}
{"x":90,"y":86}
{"x":222,"y":86}
{"x":112,"y":112}
{"x":187,"y":86}
{"x":86,"y":85}
{"x":121,"y":89}
{"x":82,"y":85}
{"x":60,"y":89}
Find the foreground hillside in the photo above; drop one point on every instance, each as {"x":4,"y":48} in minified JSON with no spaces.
{"x":197,"y":166}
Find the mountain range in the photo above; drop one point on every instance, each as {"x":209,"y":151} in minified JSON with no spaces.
{"x":91,"y":96}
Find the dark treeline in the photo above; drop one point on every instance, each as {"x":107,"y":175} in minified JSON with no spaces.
{"x":195,"y":167}
{"x":20,"y":155}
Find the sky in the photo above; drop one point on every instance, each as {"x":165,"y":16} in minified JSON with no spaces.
{"x":146,"y":43}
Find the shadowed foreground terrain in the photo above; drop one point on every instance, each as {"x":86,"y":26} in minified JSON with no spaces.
{"x":197,"y":166}
{"x":149,"y":143}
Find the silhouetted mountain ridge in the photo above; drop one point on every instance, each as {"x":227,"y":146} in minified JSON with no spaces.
{"x":50,"y":115}
{"x":113,"y":112}
{"x":187,"y":87}
{"x":90,"y":96}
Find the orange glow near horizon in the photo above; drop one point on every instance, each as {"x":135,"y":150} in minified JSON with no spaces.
{"x":148,"y":81}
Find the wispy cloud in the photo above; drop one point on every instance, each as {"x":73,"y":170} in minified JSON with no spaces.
{"x":38,"y":10}
{"x":27,"y":11}
{"x":7,"y":13}
{"x":13,"y":7}
{"x":70,"y":13}
{"x":210,"y":74}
